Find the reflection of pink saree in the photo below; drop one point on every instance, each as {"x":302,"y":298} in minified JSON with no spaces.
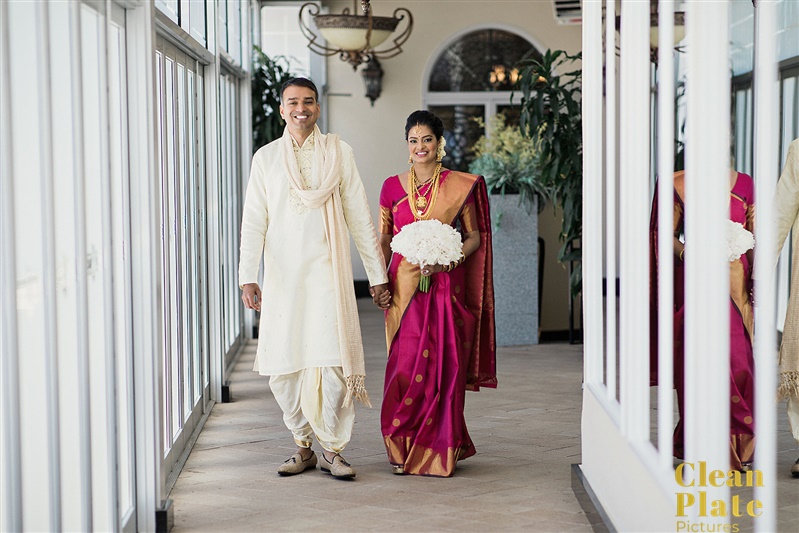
{"x":742,"y":393}
{"x":440,"y":343}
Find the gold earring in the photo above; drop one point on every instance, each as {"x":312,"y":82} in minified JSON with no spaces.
{"x":410,"y":160}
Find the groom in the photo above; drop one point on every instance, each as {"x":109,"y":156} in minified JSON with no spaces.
{"x":304,"y":198}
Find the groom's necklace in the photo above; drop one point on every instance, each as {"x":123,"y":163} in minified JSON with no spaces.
{"x":420,"y":206}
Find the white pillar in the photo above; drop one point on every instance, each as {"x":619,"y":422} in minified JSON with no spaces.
{"x":634,"y":220}
{"x":707,"y":348}
{"x":592,"y":195}
{"x":665,"y":207}
{"x":765,"y":174}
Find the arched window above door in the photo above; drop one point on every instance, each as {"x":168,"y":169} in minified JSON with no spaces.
{"x":481,"y":60}
{"x":470,"y":81}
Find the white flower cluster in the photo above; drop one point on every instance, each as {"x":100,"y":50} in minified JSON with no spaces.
{"x":428,"y":242}
{"x":739,"y":240}
{"x":440,"y":152}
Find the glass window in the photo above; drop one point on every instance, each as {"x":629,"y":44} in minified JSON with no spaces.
{"x":787,"y":29}
{"x":789,"y":96}
{"x":185,"y":343}
{"x":461,"y":131}
{"x":483,"y":60}
{"x":169,"y":7}
{"x":742,"y":127}
{"x":742,"y":34}
{"x":196,"y":19}
{"x":281,"y":36}
{"x":117,"y":115}
{"x":742,"y":37}
{"x":234,"y":40}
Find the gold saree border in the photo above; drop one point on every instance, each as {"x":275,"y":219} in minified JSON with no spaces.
{"x":386,"y":221}
{"x":421,"y":460}
{"x":739,"y":294}
{"x":742,"y":450}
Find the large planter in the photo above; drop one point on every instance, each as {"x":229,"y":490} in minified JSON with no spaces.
{"x":515,"y":239}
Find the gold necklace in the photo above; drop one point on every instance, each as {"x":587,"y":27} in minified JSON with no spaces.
{"x":421,"y":200}
{"x":420,"y":206}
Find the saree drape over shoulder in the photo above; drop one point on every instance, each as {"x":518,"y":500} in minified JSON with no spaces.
{"x":742,"y":392}
{"x":440,"y":343}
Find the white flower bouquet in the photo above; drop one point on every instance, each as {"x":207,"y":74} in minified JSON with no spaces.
{"x":739,"y":240}
{"x":428,"y":242}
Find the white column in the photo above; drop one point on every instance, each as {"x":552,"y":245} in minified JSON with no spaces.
{"x":765,"y":174}
{"x":610,"y":200}
{"x":707,"y":351}
{"x":216,"y":330}
{"x":79,"y":170}
{"x":592,"y":193}
{"x":10,"y":468}
{"x":665,"y":207}
{"x":634,"y":220}
{"x":50,"y":377}
{"x":146,"y":265}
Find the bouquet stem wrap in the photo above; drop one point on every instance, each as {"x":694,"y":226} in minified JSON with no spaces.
{"x":424,"y":283}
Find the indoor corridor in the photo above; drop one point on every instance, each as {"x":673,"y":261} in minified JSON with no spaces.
{"x":527,"y":434}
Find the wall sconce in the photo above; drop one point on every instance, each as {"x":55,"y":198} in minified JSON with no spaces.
{"x":372,"y":76}
{"x":354,"y":37}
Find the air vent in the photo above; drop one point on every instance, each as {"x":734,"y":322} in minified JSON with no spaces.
{"x":568,"y":11}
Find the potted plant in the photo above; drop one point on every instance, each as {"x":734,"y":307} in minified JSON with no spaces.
{"x":509,"y":163}
{"x":551,"y":117}
{"x":268,"y":75}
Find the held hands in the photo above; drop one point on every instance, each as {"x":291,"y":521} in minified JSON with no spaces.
{"x":381,"y":295}
{"x":251,"y":296}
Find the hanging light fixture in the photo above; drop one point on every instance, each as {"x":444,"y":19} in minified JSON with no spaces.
{"x":372,"y":76}
{"x":354,"y":37}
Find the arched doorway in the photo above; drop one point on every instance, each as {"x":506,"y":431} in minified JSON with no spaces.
{"x":470,"y":80}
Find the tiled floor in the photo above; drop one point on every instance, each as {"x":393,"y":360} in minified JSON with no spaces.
{"x":527,"y":434}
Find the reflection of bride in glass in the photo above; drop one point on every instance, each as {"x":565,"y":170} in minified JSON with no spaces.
{"x":742,"y":393}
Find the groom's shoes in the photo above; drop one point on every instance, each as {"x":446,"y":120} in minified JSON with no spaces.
{"x":339,"y":468}
{"x":296,"y":465}
{"x":795,"y":469}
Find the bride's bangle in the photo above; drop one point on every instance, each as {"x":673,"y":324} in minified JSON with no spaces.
{"x":682,"y":253}
{"x":454,"y":264}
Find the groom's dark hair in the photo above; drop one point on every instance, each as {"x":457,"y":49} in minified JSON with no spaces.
{"x":299,"y":82}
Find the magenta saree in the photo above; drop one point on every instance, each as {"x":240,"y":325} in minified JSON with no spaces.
{"x":742,"y":394}
{"x":440,"y":343}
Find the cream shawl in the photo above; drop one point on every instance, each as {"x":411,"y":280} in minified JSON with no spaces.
{"x":327,"y":166}
{"x":787,"y":207}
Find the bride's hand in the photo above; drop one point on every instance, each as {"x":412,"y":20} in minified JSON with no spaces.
{"x":432,"y":269}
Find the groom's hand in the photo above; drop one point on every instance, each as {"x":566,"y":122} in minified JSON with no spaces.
{"x":381,"y":295}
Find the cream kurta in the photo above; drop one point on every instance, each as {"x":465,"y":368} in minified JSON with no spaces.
{"x":787,"y":204}
{"x":298,"y":314}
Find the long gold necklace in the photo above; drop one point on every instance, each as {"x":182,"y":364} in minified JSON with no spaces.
{"x":420,"y":206}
